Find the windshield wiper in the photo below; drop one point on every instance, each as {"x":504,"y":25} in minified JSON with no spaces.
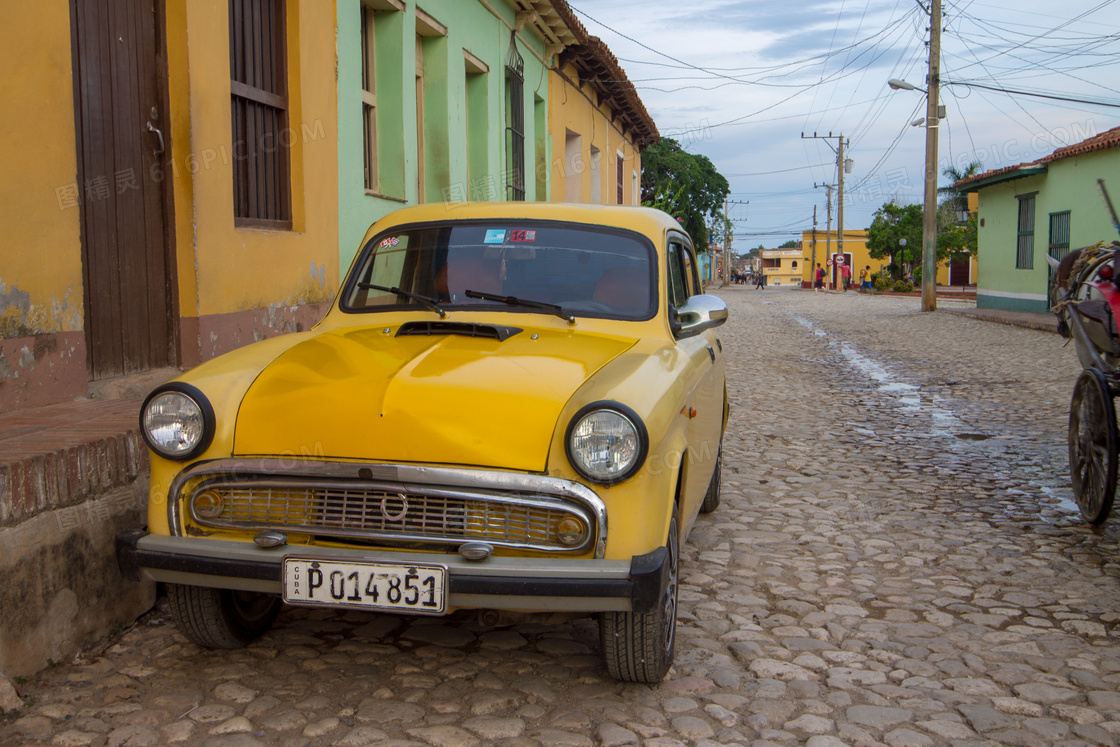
{"x":429,"y":302}
{"x":551,"y":308}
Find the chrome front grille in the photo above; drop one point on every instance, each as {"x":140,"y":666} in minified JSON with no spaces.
{"x":369,"y":511}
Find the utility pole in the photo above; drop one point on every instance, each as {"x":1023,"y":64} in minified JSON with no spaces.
{"x":828,"y":221}
{"x":929,"y":224}
{"x":813,"y":262}
{"x":840,"y":197}
{"x":705,"y":281}
{"x":841,"y":167}
{"x":727,"y":240}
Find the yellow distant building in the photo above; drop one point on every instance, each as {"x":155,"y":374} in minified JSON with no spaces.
{"x":822,"y":247}
{"x":960,"y":270}
{"x":782,"y":266}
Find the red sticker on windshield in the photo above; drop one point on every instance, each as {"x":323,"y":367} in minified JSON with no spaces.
{"x":520,"y":234}
{"x":392,"y":241}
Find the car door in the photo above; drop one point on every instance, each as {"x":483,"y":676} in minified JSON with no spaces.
{"x":702,"y":404}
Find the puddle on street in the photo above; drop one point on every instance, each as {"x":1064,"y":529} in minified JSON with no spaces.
{"x":909,"y":397}
{"x":941,"y":420}
{"x":1062,"y":499}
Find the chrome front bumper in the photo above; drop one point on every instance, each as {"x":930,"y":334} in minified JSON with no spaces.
{"x":535,"y":584}
{"x":304,"y":488}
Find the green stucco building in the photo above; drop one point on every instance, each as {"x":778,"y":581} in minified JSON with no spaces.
{"x":1048,"y":206}
{"x":442,"y":102}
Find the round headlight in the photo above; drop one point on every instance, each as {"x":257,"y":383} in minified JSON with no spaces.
{"x":208,"y":505}
{"x":570,"y":531}
{"x":606,"y":442}
{"x":177,"y":422}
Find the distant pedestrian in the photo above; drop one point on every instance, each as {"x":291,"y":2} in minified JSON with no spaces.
{"x":759,"y":281}
{"x":818,"y":280}
{"x":865,"y":279}
{"x":845,"y":276}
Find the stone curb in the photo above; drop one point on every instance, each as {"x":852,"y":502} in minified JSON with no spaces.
{"x":68,"y":476}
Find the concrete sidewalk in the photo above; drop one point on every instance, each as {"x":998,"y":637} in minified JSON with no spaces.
{"x":72,"y":475}
{"x":1045,"y":322}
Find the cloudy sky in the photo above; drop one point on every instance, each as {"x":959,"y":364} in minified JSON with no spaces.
{"x":740,"y":82}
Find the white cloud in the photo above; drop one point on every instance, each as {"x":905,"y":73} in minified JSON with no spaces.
{"x":767,"y":161}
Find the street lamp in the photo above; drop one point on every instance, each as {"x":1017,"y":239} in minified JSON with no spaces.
{"x":901,"y":85}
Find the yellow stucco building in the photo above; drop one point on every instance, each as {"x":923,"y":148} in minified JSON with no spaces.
{"x":248,"y":269}
{"x":597,"y":124}
{"x":170,"y":187}
{"x":959,"y":271}
{"x":172,"y":169}
{"x":818,"y":247}
{"x":781,"y":266}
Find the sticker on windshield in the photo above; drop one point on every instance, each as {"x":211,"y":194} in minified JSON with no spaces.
{"x":391,"y":241}
{"x":520,"y":234}
{"x":494,"y":236}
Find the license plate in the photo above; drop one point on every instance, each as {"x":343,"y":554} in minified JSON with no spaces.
{"x":326,"y":583}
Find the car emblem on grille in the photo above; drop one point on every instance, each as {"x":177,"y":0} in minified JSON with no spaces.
{"x":385,"y":508}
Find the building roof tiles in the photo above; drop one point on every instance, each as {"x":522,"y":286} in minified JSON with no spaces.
{"x":1102,"y":141}
{"x":594,"y":56}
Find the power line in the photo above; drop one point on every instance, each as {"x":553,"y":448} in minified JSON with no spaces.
{"x":1014,"y":92}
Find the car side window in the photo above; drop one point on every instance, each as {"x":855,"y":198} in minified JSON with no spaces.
{"x":678,"y":277}
{"x":690,"y":278}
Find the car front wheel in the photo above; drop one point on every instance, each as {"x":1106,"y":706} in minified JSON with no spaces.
{"x":222,"y":618}
{"x":711,"y":498}
{"x":639,"y":647}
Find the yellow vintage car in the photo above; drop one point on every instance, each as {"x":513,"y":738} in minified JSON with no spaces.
{"x":509,"y":407}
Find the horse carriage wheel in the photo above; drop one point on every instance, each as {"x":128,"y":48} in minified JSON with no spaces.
{"x":1092,"y":445}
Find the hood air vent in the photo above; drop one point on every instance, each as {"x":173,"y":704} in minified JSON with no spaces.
{"x":492,"y":331}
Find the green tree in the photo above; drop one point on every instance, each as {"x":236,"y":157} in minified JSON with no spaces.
{"x":791,"y":244}
{"x":721,"y":229}
{"x":683,"y":184}
{"x":953,"y":235}
{"x":956,"y":226}
{"x":891,"y":224}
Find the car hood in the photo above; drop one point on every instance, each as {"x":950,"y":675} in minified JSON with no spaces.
{"x":373,"y":394}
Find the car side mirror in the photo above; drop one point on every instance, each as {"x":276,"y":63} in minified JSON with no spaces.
{"x":700,"y":313}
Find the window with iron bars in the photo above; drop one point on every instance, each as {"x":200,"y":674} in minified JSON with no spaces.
{"x":1059,"y":235}
{"x":515,"y":124}
{"x":1024,"y":255}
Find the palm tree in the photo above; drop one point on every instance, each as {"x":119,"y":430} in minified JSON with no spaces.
{"x":953,"y":196}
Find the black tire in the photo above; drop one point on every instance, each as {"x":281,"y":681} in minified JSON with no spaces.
{"x":639,"y":647}
{"x":711,"y":498}
{"x":1092,"y":446}
{"x":222,"y":618}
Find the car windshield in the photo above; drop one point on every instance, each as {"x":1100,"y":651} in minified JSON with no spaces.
{"x":583,"y":270}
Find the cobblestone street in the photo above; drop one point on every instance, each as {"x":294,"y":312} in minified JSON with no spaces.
{"x":896,"y":561}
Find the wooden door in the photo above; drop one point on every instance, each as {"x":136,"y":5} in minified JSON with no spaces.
{"x":959,"y":263}
{"x":122,"y":142}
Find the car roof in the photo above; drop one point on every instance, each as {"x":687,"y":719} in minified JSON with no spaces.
{"x":648,"y":221}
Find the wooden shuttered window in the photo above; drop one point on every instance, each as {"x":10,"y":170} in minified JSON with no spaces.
{"x":262,"y":137}
{"x":619,"y":175}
